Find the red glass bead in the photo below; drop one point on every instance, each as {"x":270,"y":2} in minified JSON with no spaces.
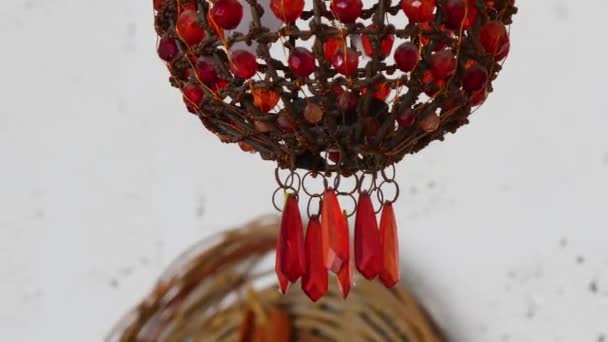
{"x":495,"y":39}
{"x":278,"y":267}
{"x":287,"y":10}
{"x":346,"y":61}
{"x":406,"y":56}
{"x":330,"y":47}
{"x":475,"y":78}
{"x":419,"y":11}
{"x":345,"y":279}
{"x":382,"y":91}
{"x":406,"y":118}
{"x":478,"y":97}
{"x":206,"y":71}
{"x":243,"y":64}
{"x":336,"y":250}
{"x":158,"y":4}
{"x":265,"y":99}
{"x":292,"y":240}
{"x":187,"y":7}
{"x":443,"y":64}
{"x":302,"y":61}
{"x":460,"y":13}
{"x":347,"y":11}
{"x":315,"y":280}
{"x":221,"y":84}
{"x":386,"y":45}
{"x":334,"y":156}
{"x":367,"y":238}
{"x":389,"y":242}
{"x":189,"y":29}
{"x":167,"y":49}
{"x":193,"y":95}
{"x":227,"y":13}
{"x":245,"y":147}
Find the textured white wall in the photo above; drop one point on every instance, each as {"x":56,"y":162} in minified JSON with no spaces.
{"x":104,"y":178}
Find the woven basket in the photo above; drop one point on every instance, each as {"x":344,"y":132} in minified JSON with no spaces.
{"x":222,"y":290}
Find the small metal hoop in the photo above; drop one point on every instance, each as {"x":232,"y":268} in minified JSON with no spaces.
{"x":279,"y":181}
{"x":308,"y":205}
{"x":351,"y":196}
{"x":394,"y":173}
{"x":372,"y":184}
{"x":291,"y":178}
{"x":274,"y":196}
{"x":354,"y":189}
{"x":381,"y":192}
{"x":305,"y":188}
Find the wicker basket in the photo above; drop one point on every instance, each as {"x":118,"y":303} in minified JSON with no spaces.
{"x":222,"y":290}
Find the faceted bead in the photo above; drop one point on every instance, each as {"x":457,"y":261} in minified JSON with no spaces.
{"x":334,"y":156}
{"x":382,"y":91}
{"x":389,"y":242}
{"x":347,"y":11}
{"x":367,"y":238}
{"x":443,"y":64}
{"x":278,"y":267}
{"x":193,"y":94}
{"x":406,"y":56}
{"x":302,"y":61}
{"x":287,"y":10}
{"x":345,"y":279}
{"x":291,"y":242}
{"x":206,"y":71}
{"x":243,"y":64}
{"x":315,"y":280}
{"x":386,"y":45}
{"x":336,"y":250}
{"x":460,"y":13}
{"x":189,"y":29}
{"x":495,"y":39}
{"x":330,"y":47}
{"x":406,"y":118}
{"x":313,"y":113}
{"x":345,"y":61}
{"x":167,"y":49}
{"x":430,"y":122}
{"x":475,"y":78}
{"x":419,"y":11}
{"x":265,"y":99}
{"x":227,"y":13}
{"x":245,"y":147}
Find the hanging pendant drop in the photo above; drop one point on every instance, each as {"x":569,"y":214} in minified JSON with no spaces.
{"x":291,"y":241}
{"x":367,"y":238}
{"x":345,"y":276}
{"x":283,"y":281}
{"x":335,"y":233}
{"x":389,"y":242}
{"x":315,"y":280}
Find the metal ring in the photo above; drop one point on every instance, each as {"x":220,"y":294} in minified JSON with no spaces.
{"x":397,"y":191}
{"x":274,"y":195}
{"x":386,"y":178}
{"x":355,"y":188}
{"x":278,"y":178}
{"x":337,"y":179}
{"x":372,"y":184}
{"x":291,"y":178}
{"x":305,"y":188}
{"x":310,"y":199}
{"x":354,"y":201}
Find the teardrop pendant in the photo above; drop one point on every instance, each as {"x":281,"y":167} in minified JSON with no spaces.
{"x":315,"y":280}
{"x":335,"y":233}
{"x":389,"y":242}
{"x":291,"y":241}
{"x":367,"y":238}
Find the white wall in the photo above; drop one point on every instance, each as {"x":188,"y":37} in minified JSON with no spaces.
{"x":104,"y":178}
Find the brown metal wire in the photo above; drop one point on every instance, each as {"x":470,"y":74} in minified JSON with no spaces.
{"x":231,"y":114}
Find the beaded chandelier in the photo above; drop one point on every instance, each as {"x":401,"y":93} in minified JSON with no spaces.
{"x":336,"y":92}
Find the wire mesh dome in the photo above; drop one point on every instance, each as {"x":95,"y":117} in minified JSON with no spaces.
{"x":340,"y":85}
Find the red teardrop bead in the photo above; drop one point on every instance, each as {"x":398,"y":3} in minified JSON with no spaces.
{"x":291,"y":242}
{"x":345,"y":279}
{"x":406,"y":118}
{"x":345,"y":61}
{"x":278,"y":267}
{"x":287,"y":10}
{"x":386,"y":45}
{"x":167,"y":49}
{"x":243,"y":64}
{"x":193,"y":95}
{"x":227,"y":13}
{"x":206,"y":71}
{"x":188,"y":28}
{"x":443,"y":64}
{"x":406,"y":56}
{"x":419,"y":11}
{"x":334,"y":225}
{"x":302,"y":61}
{"x":315,"y":280}
{"x":330,"y":47}
{"x":495,"y":39}
{"x":389,"y":242}
{"x":460,"y":13}
{"x":367,"y":238}
{"x":158,"y":4}
{"x":474,"y":78}
{"x":347,"y":11}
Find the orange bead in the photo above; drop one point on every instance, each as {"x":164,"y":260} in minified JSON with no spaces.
{"x":336,"y":250}
{"x":389,"y":273}
{"x":265,"y":99}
